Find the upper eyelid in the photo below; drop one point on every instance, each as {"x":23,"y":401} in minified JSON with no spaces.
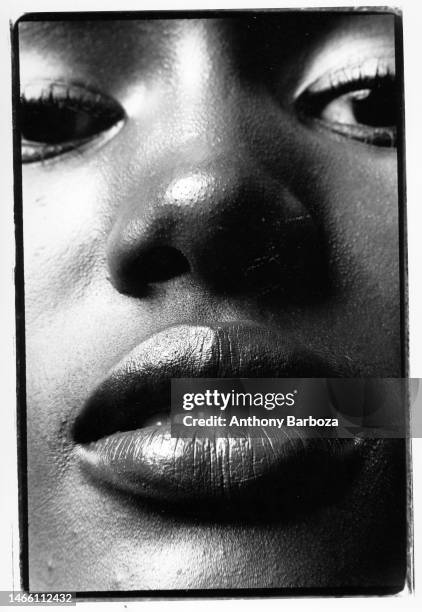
{"x":42,"y":89}
{"x":369,"y":59}
{"x":370,"y":69}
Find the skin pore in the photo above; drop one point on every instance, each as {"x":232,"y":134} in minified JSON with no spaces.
{"x":230,"y":141}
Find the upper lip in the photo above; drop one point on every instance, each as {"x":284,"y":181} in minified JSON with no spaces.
{"x":138,"y":386}
{"x":118,"y":446}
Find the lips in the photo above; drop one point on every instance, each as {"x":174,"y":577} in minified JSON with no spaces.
{"x":123,"y":433}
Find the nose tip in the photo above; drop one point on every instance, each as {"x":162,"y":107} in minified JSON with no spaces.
{"x":191,"y":188}
{"x":230,"y":225}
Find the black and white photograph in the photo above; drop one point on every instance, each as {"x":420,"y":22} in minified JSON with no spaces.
{"x":207,"y":202}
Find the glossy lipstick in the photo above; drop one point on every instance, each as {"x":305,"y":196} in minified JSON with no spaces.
{"x":123,"y":433}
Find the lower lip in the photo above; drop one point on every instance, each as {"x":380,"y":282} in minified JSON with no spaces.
{"x":222,"y":473}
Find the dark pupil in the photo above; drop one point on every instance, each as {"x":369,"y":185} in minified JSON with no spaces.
{"x":378,"y":108}
{"x":54,"y":125}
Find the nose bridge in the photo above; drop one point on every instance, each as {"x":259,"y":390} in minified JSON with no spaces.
{"x":205,"y":87}
{"x":192,"y":64}
{"x":203,"y":62}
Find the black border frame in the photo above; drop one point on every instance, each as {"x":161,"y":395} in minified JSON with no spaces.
{"x":178,"y":594}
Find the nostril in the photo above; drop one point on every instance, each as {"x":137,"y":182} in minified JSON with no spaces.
{"x":163,"y":263}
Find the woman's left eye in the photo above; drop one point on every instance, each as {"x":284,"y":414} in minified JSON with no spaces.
{"x":364,"y":109}
{"x":59,"y":118}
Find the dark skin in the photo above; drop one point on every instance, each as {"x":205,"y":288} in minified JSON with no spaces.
{"x":214,"y":199}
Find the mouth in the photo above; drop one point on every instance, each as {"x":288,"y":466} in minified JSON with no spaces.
{"x":123,"y":433}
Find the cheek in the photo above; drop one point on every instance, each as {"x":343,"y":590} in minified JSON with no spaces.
{"x":352,"y":191}
{"x":355,"y":198}
{"x":65,"y":219}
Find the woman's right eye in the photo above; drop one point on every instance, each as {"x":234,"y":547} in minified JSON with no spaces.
{"x":59,"y":118}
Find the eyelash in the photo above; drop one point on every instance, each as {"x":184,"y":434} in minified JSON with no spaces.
{"x":54,"y":111}
{"x":57,"y":118}
{"x":339,"y":88}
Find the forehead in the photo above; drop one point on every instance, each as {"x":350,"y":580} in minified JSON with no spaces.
{"x":285,"y":27}
{"x":114,"y":51}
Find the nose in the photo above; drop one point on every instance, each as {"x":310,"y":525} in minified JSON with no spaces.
{"x":210,"y":208}
{"x":229,"y":225}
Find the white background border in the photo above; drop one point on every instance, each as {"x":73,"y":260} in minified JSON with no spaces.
{"x":9,"y":11}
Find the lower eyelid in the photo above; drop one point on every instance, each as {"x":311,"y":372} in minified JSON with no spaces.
{"x":47,"y":156}
{"x":378,"y":137}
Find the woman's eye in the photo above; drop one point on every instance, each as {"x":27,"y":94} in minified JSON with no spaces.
{"x":364,"y":109}
{"x":58,"y":118}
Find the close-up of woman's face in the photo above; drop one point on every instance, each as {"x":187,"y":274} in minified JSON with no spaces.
{"x":207,"y":196}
